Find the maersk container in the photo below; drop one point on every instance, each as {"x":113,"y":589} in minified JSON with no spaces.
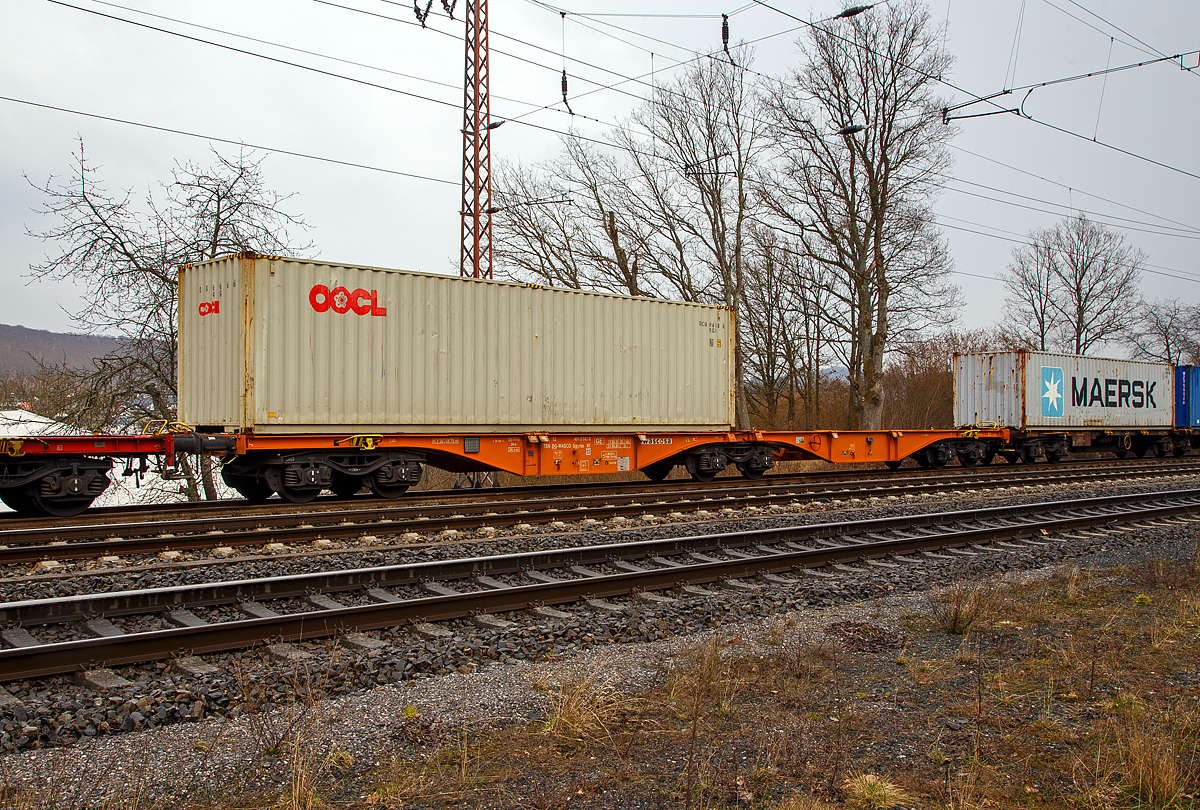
{"x":1040,"y":391}
{"x":1187,"y":397}
{"x":278,"y":345}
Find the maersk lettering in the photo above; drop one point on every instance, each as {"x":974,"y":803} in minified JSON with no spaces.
{"x":1110,"y":393}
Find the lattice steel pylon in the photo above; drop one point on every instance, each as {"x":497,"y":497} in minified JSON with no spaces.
{"x":477,"y":158}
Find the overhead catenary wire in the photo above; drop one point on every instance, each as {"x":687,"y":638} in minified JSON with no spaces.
{"x":457,"y":87}
{"x":977,"y":97}
{"x":1163,"y":271}
{"x":449,"y":6}
{"x":372,"y":84}
{"x":759,"y":2}
{"x":230,"y":141}
{"x":1104,"y":219}
{"x":563,"y":56}
{"x":328,"y":73}
{"x":566,"y":103}
{"x":1145,"y":267}
{"x":1021,"y":239}
{"x":1011,"y":70}
{"x":1103,"y":87}
{"x":449,"y":9}
{"x":1064,"y":186}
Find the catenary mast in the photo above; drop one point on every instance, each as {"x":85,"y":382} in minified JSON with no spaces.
{"x":477,"y":160}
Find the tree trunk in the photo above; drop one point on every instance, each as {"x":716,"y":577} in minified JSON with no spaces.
{"x":741,"y":408}
{"x":206,"y":477}
{"x":190,"y":490}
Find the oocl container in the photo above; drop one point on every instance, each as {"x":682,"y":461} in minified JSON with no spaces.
{"x":278,"y":345}
{"x":1187,"y":397}
{"x":1034,"y":390}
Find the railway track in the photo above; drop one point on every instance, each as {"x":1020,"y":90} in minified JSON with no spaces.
{"x":74,"y":542}
{"x":317,"y":605}
{"x":101,"y":516}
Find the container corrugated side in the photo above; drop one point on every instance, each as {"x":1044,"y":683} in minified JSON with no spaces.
{"x":211,"y":367}
{"x":986,"y":389}
{"x":1187,"y":397}
{"x":428,"y":353}
{"x":1035,"y":390}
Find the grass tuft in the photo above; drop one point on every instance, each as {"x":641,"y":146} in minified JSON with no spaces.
{"x":802,"y":800}
{"x":582,"y":703}
{"x":963,"y":605}
{"x":872,"y":792}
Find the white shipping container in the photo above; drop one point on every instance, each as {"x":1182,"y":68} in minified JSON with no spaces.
{"x":1034,"y":390}
{"x":281,"y":345}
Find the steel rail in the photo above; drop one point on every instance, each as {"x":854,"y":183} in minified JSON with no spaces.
{"x":145,"y":600}
{"x":101,"y":517}
{"x":56,"y":658}
{"x":397,"y":520}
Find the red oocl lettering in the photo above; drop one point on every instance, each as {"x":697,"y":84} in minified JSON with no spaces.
{"x":356,"y":304}
{"x":322,"y":291}
{"x":341,"y":300}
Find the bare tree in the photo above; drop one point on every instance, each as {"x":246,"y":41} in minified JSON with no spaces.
{"x":920,"y":376}
{"x":784,"y":334}
{"x":1071,"y":286}
{"x":42,"y":391}
{"x":1029,"y":310}
{"x":712,"y":146}
{"x":545,"y":235}
{"x":126,"y":257}
{"x":1167,"y":331}
{"x":857,"y":200}
{"x":767,"y":331}
{"x":667,"y":215}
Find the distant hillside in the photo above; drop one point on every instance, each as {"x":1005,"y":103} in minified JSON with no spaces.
{"x":17,"y":343}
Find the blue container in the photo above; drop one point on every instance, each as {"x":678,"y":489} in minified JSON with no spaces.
{"x":1187,"y":397}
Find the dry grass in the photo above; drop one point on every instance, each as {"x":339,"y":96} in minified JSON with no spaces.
{"x":1064,"y":697}
{"x":803,"y":800}
{"x":583,"y":702}
{"x":872,"y":792}
{"x":1147,"y":764}
{"x":961,"y":606}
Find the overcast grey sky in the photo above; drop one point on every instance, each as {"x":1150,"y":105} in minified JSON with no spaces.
{"x":1012,"y":174}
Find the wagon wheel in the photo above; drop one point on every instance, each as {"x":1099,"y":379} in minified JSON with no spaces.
{"x":893,"y":465}
{"x":254,"y":491}
{"x":703,"y":476}
{"x":1121,"y":453}
{"x":753,"y":473}
{"x":389,"y":491}
{"x":988,"y":458}
{"x":250,"y":487}
{"x":299,"y":494}
{"x":658,"y":471}
{"x":55,"y":507}
{"x":18,"y":500}
{"x":968,"y":459}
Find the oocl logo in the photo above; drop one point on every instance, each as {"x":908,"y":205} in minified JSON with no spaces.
{"x":210,"y":308}
{"x":341,"y":300}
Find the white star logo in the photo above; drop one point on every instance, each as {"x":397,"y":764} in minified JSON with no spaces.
{"x":341,"y":299}
{"x":1052,"y":393}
